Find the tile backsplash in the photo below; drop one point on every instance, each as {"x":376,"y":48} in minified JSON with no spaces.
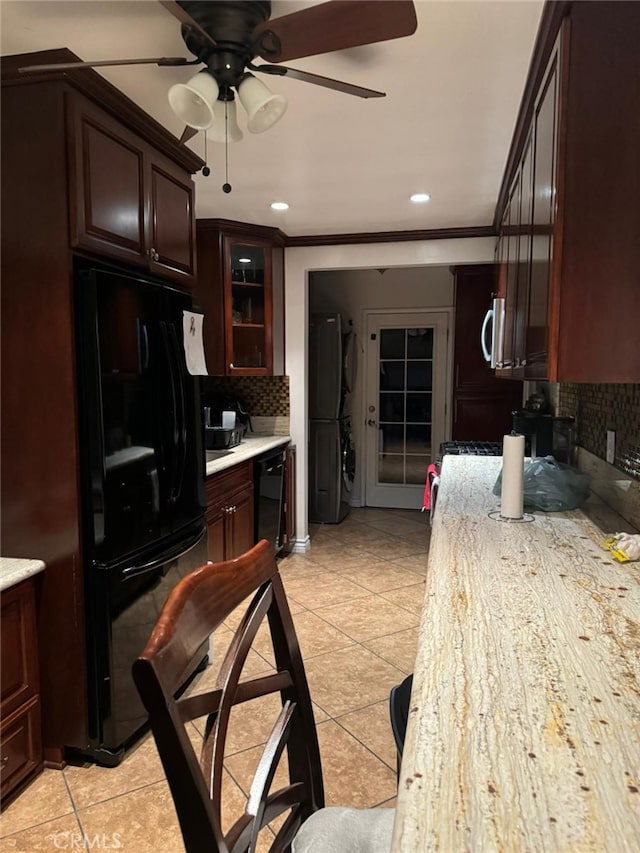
{"x":264,"y":396}
{"x":598,"y":408}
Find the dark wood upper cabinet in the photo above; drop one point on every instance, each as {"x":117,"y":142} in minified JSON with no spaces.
{"x":172,"y":223}
{"x":545,"y":133}
{"x":241,"y":290}
{"x":578,"y":293}
{"x":511,"y":258}
{"x":127,"y":201}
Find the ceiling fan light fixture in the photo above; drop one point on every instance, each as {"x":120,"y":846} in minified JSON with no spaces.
{"x":262,"y":106}
{"x":194,"y":102}
{"x":225,"y":112}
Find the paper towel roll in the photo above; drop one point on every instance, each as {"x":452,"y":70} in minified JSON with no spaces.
{"x":512,"y":476}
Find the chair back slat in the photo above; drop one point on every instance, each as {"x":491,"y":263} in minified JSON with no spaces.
{"x":212,"y":757}
{"x":198,"y":605}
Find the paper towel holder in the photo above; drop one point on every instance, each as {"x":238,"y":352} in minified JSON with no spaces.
{"x":496,"y":516}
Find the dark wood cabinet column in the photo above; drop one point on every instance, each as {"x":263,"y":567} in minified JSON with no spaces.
{"x":41,"y":167}
{"x":482,"y":403}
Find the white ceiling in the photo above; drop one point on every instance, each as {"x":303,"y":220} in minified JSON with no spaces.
{"x":344,"y":164}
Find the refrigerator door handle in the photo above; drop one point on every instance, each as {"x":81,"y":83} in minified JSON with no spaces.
{"x":143,"y":344}
{"x":166,"y":557}
{"x":155,"y":490}
{"x":182,"y":429}
{"x":486,"y":348}
{"x":91,"y":415}
{"x":173,"y":492}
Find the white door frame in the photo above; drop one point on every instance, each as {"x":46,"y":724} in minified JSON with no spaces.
{"x":447,"y":385}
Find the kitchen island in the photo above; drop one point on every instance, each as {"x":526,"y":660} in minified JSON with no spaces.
{"x":524,"y":721}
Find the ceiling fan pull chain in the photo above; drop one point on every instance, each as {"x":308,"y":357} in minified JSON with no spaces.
{"x":226,"y":187}
{"x":206,"y":171}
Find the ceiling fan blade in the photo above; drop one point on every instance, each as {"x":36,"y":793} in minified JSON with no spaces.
{"x":187,"y":134}
{"x":319,"y":80}
{"x":335,"y":25}
{"x":68,"y":66}
{"x":185,"y":18}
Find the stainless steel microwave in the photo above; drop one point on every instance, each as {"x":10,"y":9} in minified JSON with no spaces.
{"x":492,"y":334}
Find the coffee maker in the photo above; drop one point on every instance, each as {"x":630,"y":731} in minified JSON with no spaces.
{"x":545,"y":435}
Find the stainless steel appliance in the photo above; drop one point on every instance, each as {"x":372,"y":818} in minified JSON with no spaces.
{"x":331,"y":470}
{"x":331,"y":452}
{"x":142,"y":482}
{"x":492,"y":333}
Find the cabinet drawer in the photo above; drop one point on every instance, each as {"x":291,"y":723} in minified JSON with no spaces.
{"x":20,"y":746}
{"x":221,"y":486}
{"x":19,"y":673}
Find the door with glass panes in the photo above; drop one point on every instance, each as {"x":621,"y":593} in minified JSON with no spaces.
{"x":404,"y":405}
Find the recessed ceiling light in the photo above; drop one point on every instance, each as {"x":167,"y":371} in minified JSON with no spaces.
{"x":244,"y":260}
{"x":279,"y":205}
{"x":420,"y":198}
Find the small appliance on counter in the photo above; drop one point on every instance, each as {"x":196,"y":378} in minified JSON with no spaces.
{"x":546,"y":435}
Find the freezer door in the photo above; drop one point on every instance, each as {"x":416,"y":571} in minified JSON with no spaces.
{"x":124,"y":602}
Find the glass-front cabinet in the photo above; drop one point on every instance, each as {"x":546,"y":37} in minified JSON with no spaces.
{"x":241,"y":292}
{"x":248,"y":307}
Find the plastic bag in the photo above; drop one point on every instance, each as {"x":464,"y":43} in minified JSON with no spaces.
{"x":625,"y":547}
{"x":551,"y":486}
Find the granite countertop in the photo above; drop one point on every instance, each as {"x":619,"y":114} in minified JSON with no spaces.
{"x":13,"y":570}
{"x":252,"y":445}
{"x":525,"y":713}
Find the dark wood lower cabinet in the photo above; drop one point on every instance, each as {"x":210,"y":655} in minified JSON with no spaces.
{"x":20,"y":728}
{"x":230,"y":512}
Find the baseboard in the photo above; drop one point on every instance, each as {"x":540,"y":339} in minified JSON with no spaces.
{"x":301,"y":546}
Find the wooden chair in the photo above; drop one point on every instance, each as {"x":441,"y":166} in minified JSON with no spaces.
{"x":195,"y":608}
{"x":399,"y":700}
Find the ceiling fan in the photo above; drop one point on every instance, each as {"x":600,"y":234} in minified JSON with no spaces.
{"x":226,"y":36}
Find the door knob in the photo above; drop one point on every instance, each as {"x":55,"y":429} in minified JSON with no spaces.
{"x":371,"y":422}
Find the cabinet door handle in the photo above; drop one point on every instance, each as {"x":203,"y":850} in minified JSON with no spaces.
{"x":231,"y":365}
{"x":5,"y":760}
{"x":154,"y":255}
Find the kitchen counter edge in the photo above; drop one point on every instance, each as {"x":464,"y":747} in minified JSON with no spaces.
{"x":16,"y":569}
{"x":249,"y":448}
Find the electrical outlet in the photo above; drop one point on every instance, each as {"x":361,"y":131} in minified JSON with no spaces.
{"x":611,"y":446}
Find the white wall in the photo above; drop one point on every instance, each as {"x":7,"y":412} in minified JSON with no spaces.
{"x":299,"y":262}
{"x":352,"y":292}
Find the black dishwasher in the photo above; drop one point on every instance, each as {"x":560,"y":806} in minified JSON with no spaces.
{"x":269,"y":497}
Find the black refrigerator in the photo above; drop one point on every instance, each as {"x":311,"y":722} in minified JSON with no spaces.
{"x":142,"y":482}
{"x":331,"y":451}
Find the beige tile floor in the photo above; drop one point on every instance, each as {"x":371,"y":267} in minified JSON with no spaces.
{"x":356,"y":598}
